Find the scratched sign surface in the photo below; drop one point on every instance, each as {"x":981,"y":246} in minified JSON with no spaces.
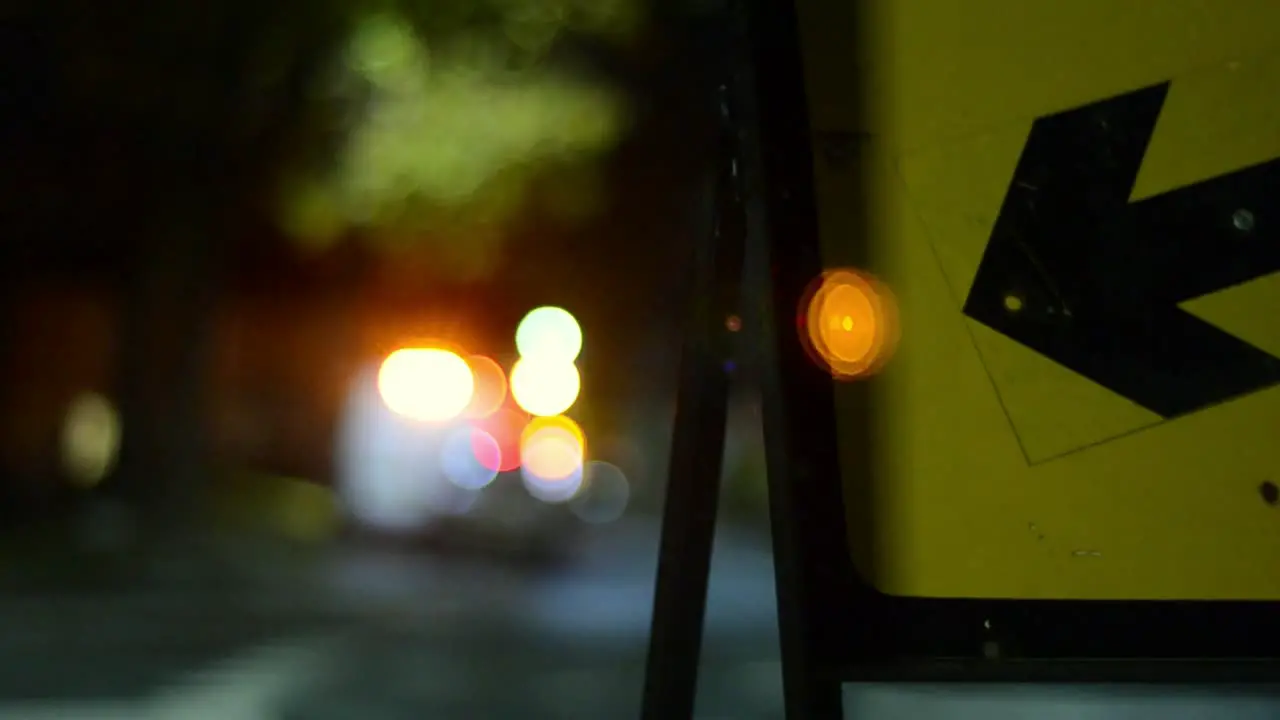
{"x":1074,"y":203}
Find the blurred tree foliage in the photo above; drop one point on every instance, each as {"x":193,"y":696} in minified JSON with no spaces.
{"x":455,"y":110}
{"x":401,"y":113}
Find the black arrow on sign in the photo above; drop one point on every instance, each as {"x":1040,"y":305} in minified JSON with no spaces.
{"x":1079,"y":274}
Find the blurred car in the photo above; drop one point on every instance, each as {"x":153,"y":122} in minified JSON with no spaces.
{"x":464,"y":453}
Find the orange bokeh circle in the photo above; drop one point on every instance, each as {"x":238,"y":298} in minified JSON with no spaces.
{"x":553,"y":448}
{"x":848,"y":322}
{"x":490,"y":387}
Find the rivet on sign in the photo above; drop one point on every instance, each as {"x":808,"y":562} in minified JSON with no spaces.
{"x":1012,"y":303}
{"x":1270,"y":493}
{"x":1243,"y":220}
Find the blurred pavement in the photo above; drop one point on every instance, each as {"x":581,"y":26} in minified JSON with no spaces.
{"x":372,"y":635}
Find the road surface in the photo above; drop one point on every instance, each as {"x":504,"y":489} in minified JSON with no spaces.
{"x":374,"y":636}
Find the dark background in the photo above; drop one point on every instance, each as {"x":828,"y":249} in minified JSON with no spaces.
{"x":143,"y":146}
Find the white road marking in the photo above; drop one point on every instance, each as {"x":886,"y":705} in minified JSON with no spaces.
{"x":244,"y":687}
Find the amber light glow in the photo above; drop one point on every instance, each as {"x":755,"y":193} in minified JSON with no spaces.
{"x":552,"y":448}
{"x":552,"y":454}
{"x":490,"y":387}
{"x":426,"y":384}
{"x":544,"y":387}
{"x":849,"y":323}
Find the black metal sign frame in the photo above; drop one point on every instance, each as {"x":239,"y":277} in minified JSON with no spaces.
{"x":837,"y":628}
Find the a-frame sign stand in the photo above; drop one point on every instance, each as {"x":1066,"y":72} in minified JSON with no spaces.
{"x":756,"y":262}
{"x":693,"y":485}
{"x":835,"y":628}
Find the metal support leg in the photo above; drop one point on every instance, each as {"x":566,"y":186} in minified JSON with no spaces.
{"x":693,"y":485}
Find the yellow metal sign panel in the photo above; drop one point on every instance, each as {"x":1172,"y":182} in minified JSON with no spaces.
{"x":1058,"y":193}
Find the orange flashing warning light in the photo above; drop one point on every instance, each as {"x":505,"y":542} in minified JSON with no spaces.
{"x":848,"y":322}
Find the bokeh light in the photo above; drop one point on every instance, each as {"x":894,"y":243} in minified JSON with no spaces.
{"x":552,"y":454}
{"x":604,"y":495}
{"x":490,"y":387}
{"x":90,"y":439}
{"x":504,"y":428}
{"x":552,"y":448}
{"x":426,"y":384}
{"x":544,"y":387}
{"x":552,"y":491}
{"x":470,"y":457}
{"x":849,"y":323}
{"x":549,"y":334}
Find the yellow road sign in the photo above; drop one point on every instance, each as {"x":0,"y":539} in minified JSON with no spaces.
{"x":1075,"y":204}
